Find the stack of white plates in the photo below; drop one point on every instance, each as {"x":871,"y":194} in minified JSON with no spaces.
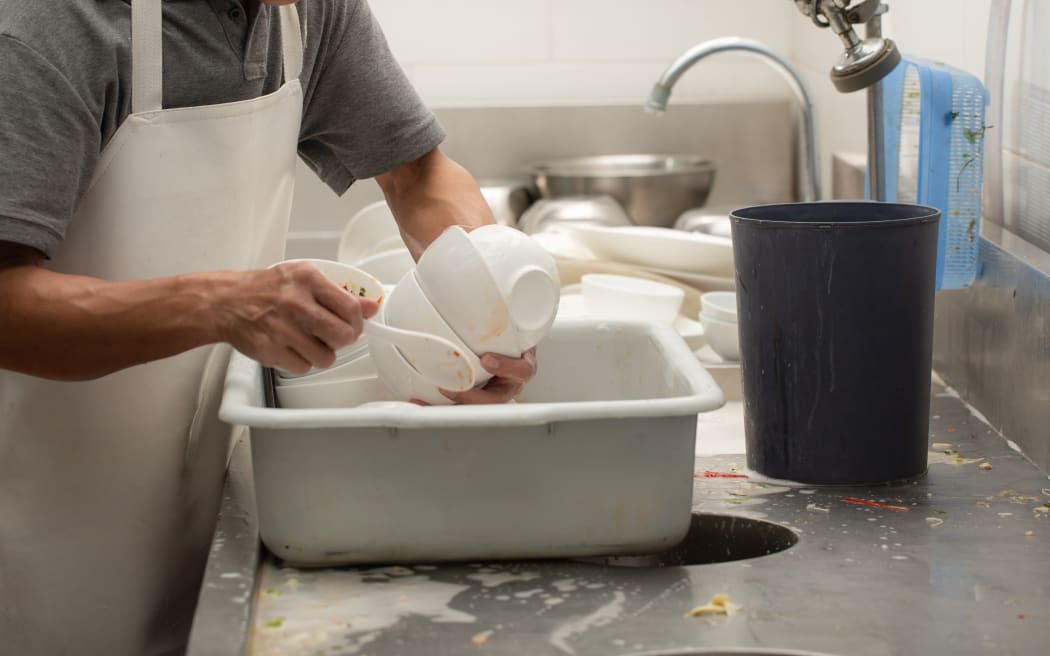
{"x":698,"y":259}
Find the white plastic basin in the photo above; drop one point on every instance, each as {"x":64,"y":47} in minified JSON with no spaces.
{"x":595,"y":459}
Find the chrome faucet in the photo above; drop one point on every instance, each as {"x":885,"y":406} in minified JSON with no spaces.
{"x":657,"y":102}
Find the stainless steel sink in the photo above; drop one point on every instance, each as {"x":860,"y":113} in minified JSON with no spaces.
{"x":654,"y":189}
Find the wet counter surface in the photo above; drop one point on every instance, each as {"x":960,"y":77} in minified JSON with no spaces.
{"x":955,"y":563}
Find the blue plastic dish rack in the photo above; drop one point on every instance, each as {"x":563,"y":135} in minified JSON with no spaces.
{"x":933,"y":137}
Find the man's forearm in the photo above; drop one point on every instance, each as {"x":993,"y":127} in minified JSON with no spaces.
{"x":430,"y":194}
{"x":67,"y":327}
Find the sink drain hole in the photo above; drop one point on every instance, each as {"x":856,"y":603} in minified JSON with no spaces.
{"x":713,"y":538}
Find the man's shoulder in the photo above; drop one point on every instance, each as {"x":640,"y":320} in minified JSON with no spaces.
{"x":65,"y":32}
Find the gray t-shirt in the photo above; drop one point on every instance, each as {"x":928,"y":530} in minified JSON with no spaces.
{"x":65,"y":88}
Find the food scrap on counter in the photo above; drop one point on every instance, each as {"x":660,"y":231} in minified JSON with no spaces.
{"x":482,"y":639}
{"x":720,"y":604}
{"x":717,"y":474}
{"x":875,"y":504}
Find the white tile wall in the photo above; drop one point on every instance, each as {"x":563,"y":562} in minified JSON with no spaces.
{"x":505,"y":53}
{"x":465,"y":31}
{"x":478,"y":53}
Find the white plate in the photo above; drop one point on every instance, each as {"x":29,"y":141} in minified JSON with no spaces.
{"x":647,"y":246}
{"x":698,"y":280}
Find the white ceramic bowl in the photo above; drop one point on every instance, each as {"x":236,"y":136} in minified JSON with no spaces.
{"x":719,"y":305}
{"x":527,"y":277}
{"x":553,"y":213}
{"x":388,"y":266}
{"x":409,"y":308}
{"x":721,"y":336}
{"x":370,"y":230}
{"x":402,"y":381}
{"x":615,"y":296}
{"x":358,"y":349}
{"x":456,"y":279}
{"x":354,"y":280}
{"x":360,"y":366}
{"x":351,"y":278}
{"x":333,"y":394}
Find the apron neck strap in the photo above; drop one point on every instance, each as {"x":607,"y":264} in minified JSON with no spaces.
{"x":291,"y":42}
{"x":147,"y":69}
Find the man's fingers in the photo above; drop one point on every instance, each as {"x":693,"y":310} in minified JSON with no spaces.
{"x":310,"y":348}
{"x":498,"y":390}
{"x":348,"y":308}
{"x":288,"y":360}
{"x":520,"y":370}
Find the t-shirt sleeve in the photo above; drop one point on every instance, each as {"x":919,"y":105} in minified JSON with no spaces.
{"x":49,"y":144}
{"x":361,"y":115}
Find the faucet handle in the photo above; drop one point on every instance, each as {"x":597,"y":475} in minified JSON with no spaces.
{"x":829,"y":13}
{"x":865,"y":11}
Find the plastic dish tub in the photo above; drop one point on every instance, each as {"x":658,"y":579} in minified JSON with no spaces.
{"x":596,"y":458}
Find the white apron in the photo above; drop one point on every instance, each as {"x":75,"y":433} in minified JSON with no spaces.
{"x":109,"y":489}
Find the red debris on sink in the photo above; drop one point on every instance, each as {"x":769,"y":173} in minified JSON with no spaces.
{"x":875,"y":504}
{"x":707,"y":473}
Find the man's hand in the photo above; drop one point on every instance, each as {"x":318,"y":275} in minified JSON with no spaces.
{"x":510,"y":376}
{"x":292,"y":317}
{"x":427,"y":196}
{"x":69,"y":327}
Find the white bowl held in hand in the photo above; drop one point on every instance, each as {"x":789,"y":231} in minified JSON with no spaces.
{"x":455,"y":278}
{"x":527,"y":277}
{"x":355,"y":281}
{"x":351,"y":278}
{"x":722,"y":337}
{"x":409,"y":308}
{"x":719,"y":305}
{"x":403,"y":382}
{"x":625,"y":297}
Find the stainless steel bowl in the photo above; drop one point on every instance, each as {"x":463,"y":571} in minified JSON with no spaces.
{"x":548,"y":214}
{"x":654,"y":189}
{"x":508,"y":198}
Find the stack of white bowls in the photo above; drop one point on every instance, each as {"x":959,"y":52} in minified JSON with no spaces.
{"x":352,"y":379}
{"x":490,"y":290}
{"x":719,"y":317}
{"x":371,"y":241}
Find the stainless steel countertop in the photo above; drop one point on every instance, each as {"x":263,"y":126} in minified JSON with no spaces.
{"x":861,"y":581}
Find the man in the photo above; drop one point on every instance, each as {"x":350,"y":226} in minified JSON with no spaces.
{"x":146,"y":169}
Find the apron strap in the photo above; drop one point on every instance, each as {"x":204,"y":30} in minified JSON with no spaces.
{"x":147,"y":69}
{"x":291,"y":43}
{"x":147,"y":77}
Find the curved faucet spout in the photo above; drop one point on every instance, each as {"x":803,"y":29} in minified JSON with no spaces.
{"x":661,"y":93}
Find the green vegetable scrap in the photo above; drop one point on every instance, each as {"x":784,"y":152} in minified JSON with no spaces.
{"x":276,"y":623}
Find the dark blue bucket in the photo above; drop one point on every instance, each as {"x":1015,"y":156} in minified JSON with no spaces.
{"x":835,"y":305}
